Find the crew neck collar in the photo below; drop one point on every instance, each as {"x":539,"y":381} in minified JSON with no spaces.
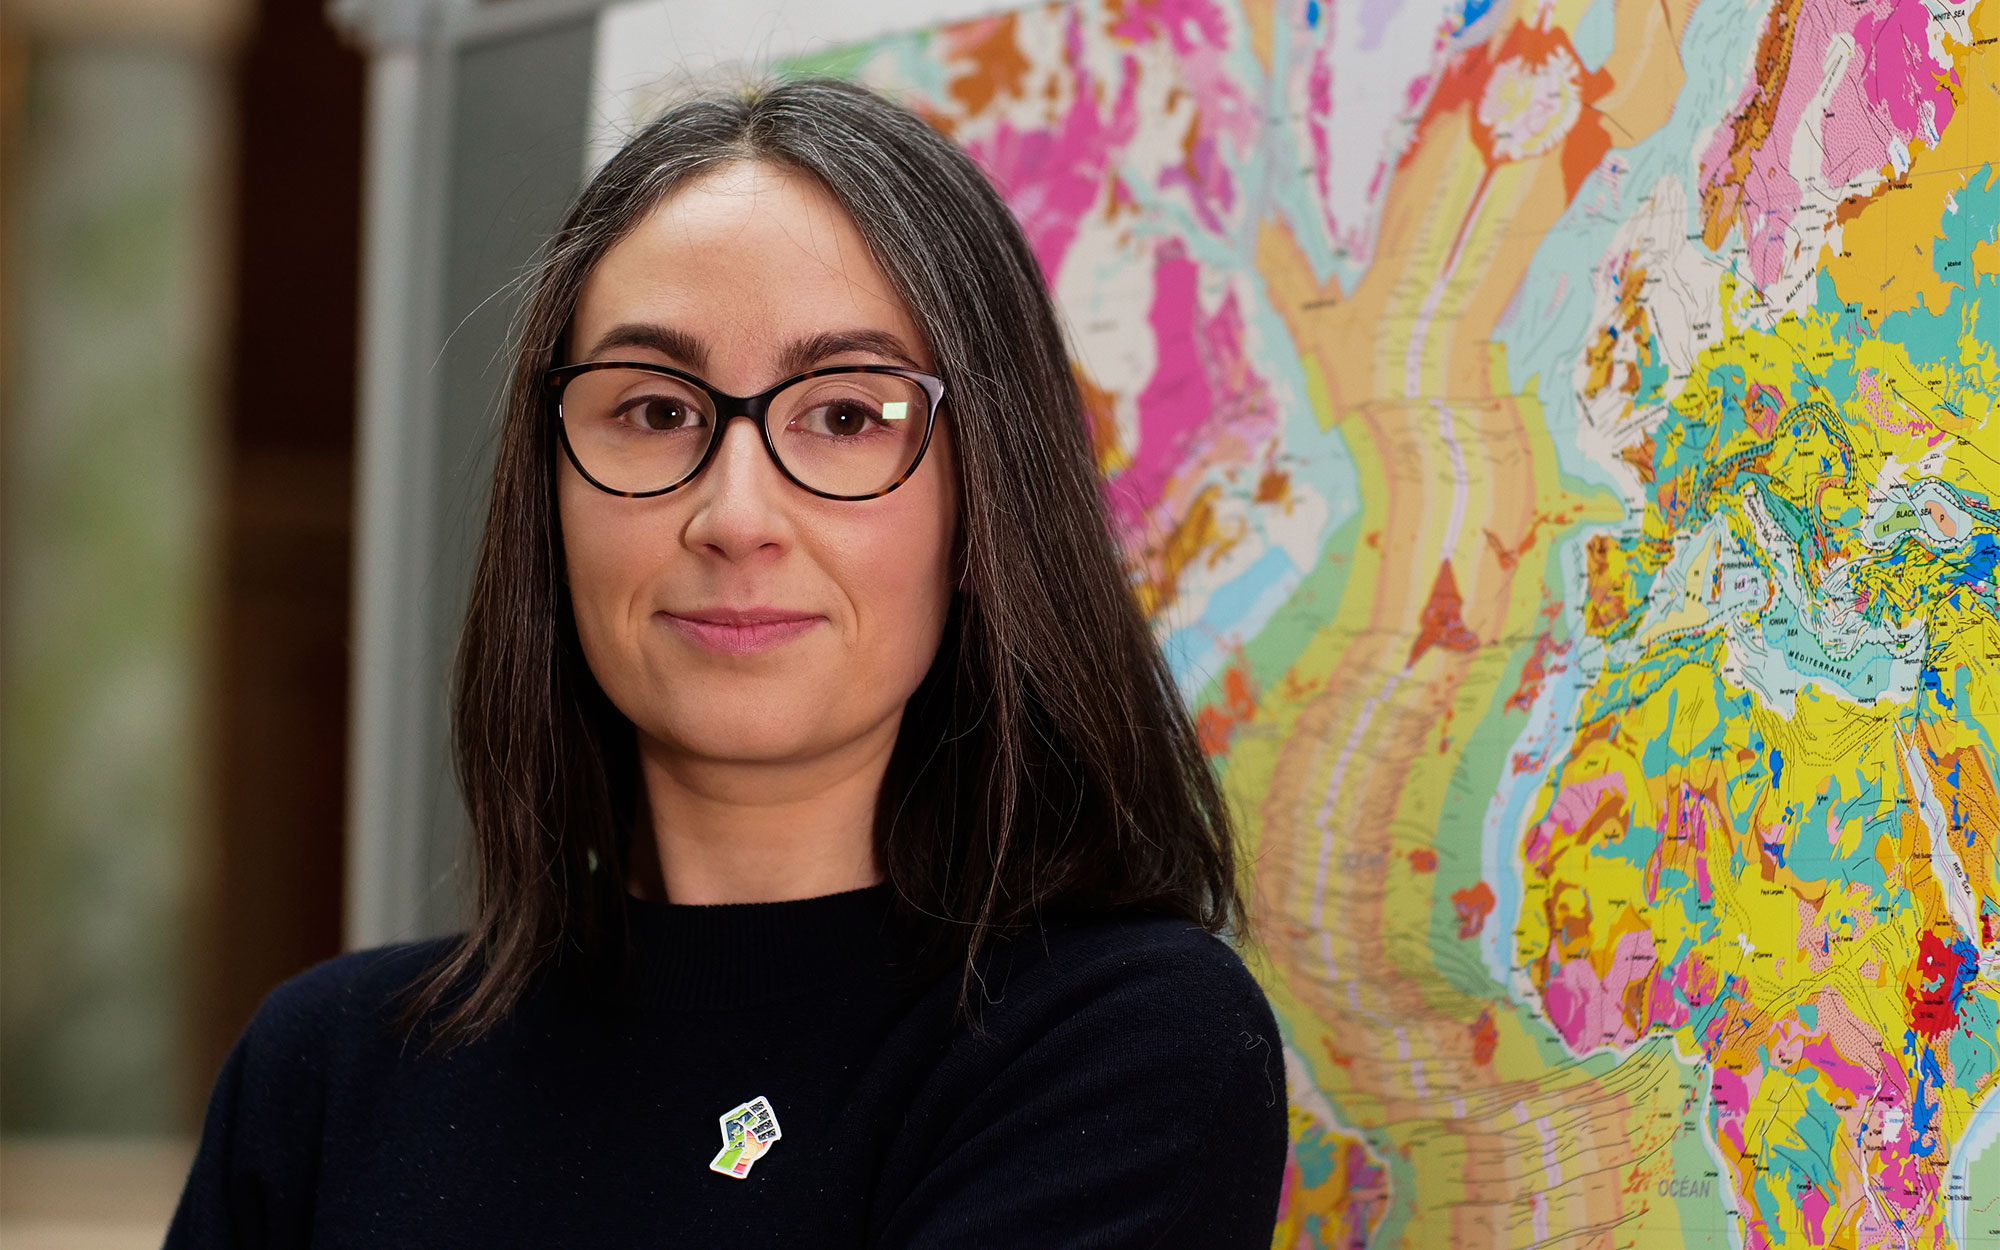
{"x":737,"y":954}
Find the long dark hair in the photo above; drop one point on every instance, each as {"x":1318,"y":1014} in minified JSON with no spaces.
{"x":1045,"y":762}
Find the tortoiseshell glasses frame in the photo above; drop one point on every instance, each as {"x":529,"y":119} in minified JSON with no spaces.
{"x":896,"y":459}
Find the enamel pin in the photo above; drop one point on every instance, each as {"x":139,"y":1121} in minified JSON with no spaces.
{"x":747,"y":1133}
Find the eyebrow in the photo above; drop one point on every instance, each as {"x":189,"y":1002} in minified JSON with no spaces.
{"x":805,"y":353}
{"x":797,"y":357}
{"x":666,"y":340}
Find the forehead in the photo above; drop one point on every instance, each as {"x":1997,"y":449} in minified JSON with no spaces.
{"x":745,"y":258}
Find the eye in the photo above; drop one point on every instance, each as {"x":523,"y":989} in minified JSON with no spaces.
{"x":662,"y":413}
{"x":840,"y":418}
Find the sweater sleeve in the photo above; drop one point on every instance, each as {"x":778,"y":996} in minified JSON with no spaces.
{"x":1148,"y":1110}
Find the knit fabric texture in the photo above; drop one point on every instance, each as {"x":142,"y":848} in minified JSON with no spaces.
{"x":1123,"y":1087}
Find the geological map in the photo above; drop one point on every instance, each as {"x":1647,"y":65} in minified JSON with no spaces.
{"x":1557,"y":443}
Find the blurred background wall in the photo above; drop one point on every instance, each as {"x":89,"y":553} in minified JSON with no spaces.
{"x":178,"y":267}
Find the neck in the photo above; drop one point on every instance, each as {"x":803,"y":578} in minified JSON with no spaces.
{"x":737,"y":831}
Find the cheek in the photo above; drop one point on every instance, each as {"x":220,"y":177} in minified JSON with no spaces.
{"x":604,"y":562}
{"x":897,"y":570}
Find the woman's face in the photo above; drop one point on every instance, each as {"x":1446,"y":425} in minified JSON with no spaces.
{"x":740,"y":618}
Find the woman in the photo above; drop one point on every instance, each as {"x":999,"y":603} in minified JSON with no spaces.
{"x":849,"y":871}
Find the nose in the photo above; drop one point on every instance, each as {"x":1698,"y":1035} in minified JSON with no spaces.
{"x":738,"y":499}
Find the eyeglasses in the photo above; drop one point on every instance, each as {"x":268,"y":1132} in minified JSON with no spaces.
{"x":848,"y":432}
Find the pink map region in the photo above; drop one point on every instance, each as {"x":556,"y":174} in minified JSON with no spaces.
{"x":1204,"y":405}
{"x":1889,"y":91}
{"x":1053,"y":176}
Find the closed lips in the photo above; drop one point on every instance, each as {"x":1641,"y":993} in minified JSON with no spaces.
{"x":747,"y":616}
{"x":738,"y":631}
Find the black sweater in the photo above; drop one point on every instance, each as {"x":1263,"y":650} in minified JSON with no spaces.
{"x":1125,"y":1089}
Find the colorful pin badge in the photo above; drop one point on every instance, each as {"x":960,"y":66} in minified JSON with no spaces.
{"x":747,"y":1133}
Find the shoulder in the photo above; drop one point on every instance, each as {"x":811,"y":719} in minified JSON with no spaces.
{"x":1121,"y":1082}
{"x":1158,"y":966}
{"x":1150,"y":996}
{"x":266,"y":1123}
{"x":307,"y":1035}
{"x":357,"y":983}
{"x":351,"y":1000}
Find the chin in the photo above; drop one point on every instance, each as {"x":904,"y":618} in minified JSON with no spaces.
{"x":734,"y":726}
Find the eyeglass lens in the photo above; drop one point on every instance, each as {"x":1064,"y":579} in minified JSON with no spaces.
{"x":844,"y":434}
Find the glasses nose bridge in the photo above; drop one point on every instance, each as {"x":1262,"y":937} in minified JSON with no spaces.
{"x":729,"y":407}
